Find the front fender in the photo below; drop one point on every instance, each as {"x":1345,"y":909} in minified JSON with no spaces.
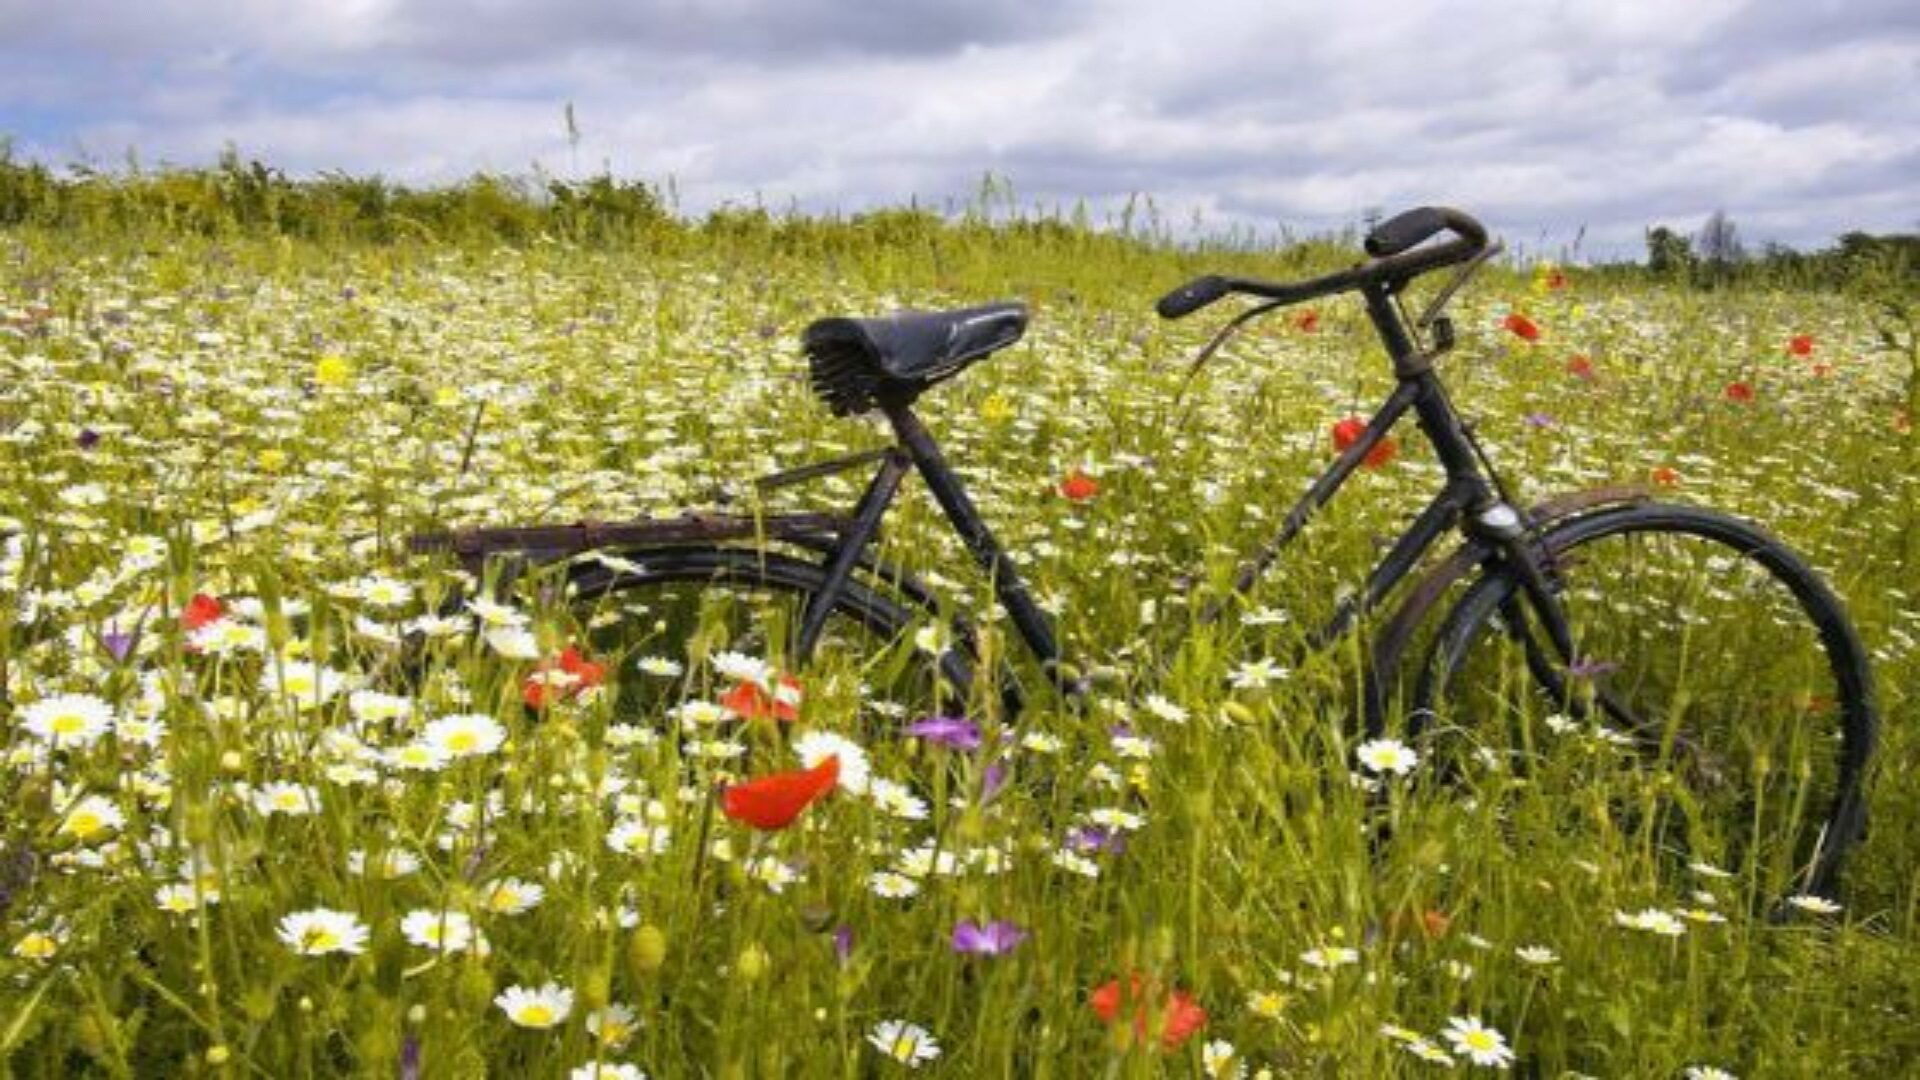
{"x":1390,"y":644}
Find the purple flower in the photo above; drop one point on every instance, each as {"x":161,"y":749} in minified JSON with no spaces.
{"x":1539,"y":420}
{"x":1589,"y":668}
{"x":410,"y":1058}
{"x":842,"y":942}
{"x":88,"y":439}
{"x":118,"y":643}
{"x":989,"y":939}
{"x":957,"y":732}
{"x":1091,"y":838}
{"x":994,"y":780}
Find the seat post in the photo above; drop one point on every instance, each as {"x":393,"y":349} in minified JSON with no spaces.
{"x":952,"y":497}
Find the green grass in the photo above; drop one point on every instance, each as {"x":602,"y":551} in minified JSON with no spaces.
{"x":269,"y":419}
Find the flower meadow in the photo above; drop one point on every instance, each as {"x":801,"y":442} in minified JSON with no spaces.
{"x":285,"y":799}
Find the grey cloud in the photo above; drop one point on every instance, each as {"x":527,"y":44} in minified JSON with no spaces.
{"x":1542,"y":118}
{"x":772,"y":31}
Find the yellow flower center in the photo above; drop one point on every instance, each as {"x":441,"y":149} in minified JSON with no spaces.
{"x":1479,"y":1040}
{"x":69,"y":724}
{"x":318,"y":939}
{"x":461,"y":742}
{"x":536,"y":1015}
{"x":85,"y":823}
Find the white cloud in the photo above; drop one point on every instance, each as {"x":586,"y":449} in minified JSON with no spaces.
{"x":1800,"y":121}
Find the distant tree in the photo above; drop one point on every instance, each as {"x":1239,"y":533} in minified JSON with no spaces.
{"x":1669,"y":254}
{"x":1719,"y":247}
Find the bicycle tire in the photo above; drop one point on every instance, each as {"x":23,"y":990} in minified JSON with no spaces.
{"x":603,"y":598}
{"x":1784,"y":724}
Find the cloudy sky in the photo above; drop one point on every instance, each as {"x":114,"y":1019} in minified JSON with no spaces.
{"x":1801,"y":118}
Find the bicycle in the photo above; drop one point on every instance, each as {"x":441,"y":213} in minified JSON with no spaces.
{"x":1552,"y":608}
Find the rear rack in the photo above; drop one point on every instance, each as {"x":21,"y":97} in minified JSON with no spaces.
{"x":549,"y":542}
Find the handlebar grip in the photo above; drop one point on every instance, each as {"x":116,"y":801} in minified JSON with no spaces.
{"x":1415,"y":227}
{"x":1192,"y":296}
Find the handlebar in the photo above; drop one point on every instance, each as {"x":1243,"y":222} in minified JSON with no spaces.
{"x":1416,"y":226}
{"x":1193,"y":296}
{"x":1399,"y":251}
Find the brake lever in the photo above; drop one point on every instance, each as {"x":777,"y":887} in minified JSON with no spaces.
{"x":1220,"y":338}
{"x":1460,"y":276}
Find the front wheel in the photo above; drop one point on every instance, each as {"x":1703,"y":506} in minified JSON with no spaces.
{"x":1715,"y":715}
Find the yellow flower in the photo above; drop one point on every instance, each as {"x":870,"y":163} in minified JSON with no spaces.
{"x":447,"y":397}
{"x":36,"y":946}
{"x":996,"y":409}
{"x":333,"y":370}
{"x":272,"y":460}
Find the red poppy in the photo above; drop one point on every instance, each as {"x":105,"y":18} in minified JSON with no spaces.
{"x":773,"y":801}
{"x":1823,"y":370}
{"x":565,"y":676}
{"x":1307,"y":321}
{"x":1665,"y":476}
{"x":1740,"y":392}
{"x":1556,"y":280}
{"x":1348,"y":431}
{"x":1522,"y":327}
{"x":751,"y":700}
{"x":1079,"y":487}
{"x":200,"y":611}
{"x":1580,"y":367}
{"x":1184,"y":1016}
{"x":1801,"y":345}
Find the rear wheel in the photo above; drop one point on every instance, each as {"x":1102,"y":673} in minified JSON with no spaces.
{"x":686,"y":626}
{"x":1716,"y":712}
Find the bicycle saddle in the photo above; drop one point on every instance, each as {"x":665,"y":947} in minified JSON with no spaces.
{"x":857,"y":362}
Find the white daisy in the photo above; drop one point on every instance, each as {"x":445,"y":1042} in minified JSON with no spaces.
{"x":896,"y":799}
{"x":891,"y":885}
{"x":511,"y":896}
{"x":416,"y":757}
{"x":513,"y":642}
{"x":280,"y":797}
{"x":660,"y":666}
{"x":1380,"y":756}
{"x":607,"y":1070}
{"x":1257,"y":675}
{"x":223,"y":637}
{"x":743,"y":668}
{"x":1328,"y":957}
{"x":68,"y":721}
{"x":613,"y":1025}
{"x":697,"y":714}
{"x":635,"y":837}
{"x":1166,"y":709}
{"x":308,"y":684}
{"x":1651,"y":920}
{"x":441,"y":931}
{"x":92,"y":818}
{"x":1477,"y":1042}
{"x":496,"y":616}
{"x":321,"y":931}
{"x":815,"y":747}
{"x":1816,"y":905}
{"x":383,"y":591}
{"x":909,"y":1044}
{"x":465,"y":734}
{"x":1538,"y":955}
{"x":539,"y":1008}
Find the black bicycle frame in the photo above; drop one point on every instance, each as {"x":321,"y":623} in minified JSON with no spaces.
{"x":1466,"y":497}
